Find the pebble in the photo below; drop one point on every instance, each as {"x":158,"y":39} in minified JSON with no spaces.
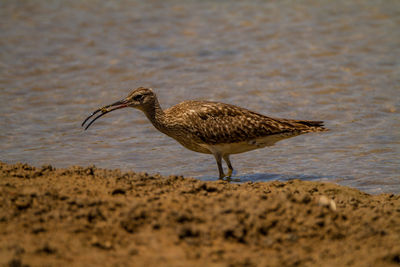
{"x":325,"y":201}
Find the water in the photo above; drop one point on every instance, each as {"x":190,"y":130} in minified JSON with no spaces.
{"x":337,"y":61}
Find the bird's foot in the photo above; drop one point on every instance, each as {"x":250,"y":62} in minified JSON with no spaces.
{"x":228,"y":177}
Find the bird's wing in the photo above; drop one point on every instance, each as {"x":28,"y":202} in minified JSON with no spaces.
{"x":215,"y":123}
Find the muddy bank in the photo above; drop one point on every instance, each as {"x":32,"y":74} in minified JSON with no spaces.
{"x":80,"y":216}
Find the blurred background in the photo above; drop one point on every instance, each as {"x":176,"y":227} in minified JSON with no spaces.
{"x":337,"y":61}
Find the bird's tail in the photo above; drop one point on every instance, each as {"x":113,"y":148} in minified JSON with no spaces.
{"x":315,"y":126}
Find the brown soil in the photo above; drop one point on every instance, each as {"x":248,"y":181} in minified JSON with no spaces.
{"x":88,"y":216}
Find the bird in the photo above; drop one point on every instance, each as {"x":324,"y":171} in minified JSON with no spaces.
{"x":211,"y":127}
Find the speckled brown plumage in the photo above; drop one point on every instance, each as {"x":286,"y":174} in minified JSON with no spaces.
{"x":213,"y":128}
{"x":215,"y":123}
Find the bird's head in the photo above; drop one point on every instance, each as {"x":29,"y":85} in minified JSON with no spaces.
{"x":141,"y":98}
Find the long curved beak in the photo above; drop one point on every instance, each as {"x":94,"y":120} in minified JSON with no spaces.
{"x":104,"y":110}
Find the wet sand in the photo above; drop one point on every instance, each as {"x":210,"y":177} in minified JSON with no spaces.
{"x":89,"y":216}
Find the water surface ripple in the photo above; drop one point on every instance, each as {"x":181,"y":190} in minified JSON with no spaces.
{"x":337,"y":61}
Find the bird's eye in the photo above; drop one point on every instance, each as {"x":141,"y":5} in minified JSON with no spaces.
{"x":138,"y":97}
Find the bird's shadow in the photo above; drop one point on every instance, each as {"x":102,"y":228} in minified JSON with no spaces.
{"x":267,"y":177}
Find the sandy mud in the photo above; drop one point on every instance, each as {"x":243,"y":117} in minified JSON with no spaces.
{"x":88,"y":216}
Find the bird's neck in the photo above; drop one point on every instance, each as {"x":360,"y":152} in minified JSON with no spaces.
{"x":156,"y":115}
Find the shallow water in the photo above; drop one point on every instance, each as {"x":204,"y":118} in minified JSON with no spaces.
{"x":337,"y":61}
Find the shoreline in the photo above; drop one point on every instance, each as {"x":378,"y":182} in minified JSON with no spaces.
{"x":85,"y":216}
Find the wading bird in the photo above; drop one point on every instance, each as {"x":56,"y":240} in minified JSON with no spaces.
{"x":212,"y":127}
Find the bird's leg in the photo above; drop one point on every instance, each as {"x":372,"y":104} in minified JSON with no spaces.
{"x":219,"y":163}
{"x":228,"y":162}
